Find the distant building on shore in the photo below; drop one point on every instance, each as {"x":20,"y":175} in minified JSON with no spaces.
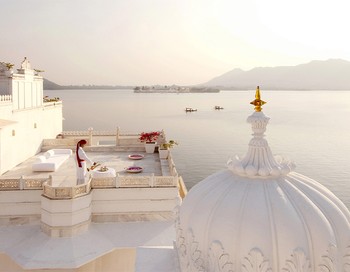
{"x":173,"y":89}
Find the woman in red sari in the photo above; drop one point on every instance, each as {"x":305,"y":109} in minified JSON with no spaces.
{"x":81,"y":159}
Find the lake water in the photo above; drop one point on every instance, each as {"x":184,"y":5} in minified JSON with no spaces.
{"x":309,"y":127}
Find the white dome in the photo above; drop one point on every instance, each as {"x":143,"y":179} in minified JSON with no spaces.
{"x":257,"y":216}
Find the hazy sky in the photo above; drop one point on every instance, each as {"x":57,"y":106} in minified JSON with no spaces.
{"x":140,"y":42}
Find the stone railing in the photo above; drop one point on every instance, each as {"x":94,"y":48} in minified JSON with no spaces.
{"x":135,"y":182}
{"x":49,"y":143}
{"x":116,"y":136}
{"x":172,"y":168}
{"x":66,"y":192}
{"x":5,"y":98}
{"x":53,"y":192}
{"x":93,"y":132}
{"x":75,"y":133}
{"x":22,"y":183}
{"x":104,"y":183}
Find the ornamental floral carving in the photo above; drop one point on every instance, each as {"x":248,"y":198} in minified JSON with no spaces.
{"x":196,"y":261}
{"x":134,"y":181}
{"x":347,"y":260}
{"x":176,"y":213}
{"x":298,"y":262}
{"x":180,"y":243}
{"x":103,"y":182}
{"x":34,"y":183}
{"x":255,"y":262}
{"x":80,"y":190}
{"x":329,"y":260}
{"x":219,"y":260}
{"x":164,"y":181}
{"x":9,"y":184}
{"x":62,"y":192}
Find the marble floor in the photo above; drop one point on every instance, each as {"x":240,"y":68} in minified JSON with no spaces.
{"x":66,"y":174}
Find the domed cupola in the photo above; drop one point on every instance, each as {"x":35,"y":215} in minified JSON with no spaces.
{"x":260,"y":216}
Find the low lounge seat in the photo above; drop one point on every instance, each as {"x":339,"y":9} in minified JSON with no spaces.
{"x":51,"y":160}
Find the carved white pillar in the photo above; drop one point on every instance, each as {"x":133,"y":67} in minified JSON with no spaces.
{"x":21,"y":183}
{"x":90,"y":129}
{"x":117,"y":181}
{"x":117,"y":137}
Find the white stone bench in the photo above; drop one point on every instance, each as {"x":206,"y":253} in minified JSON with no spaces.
{"x":51,"y":160}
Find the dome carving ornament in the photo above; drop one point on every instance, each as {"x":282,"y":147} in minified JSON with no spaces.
{"x":190,"y":256}
{"x":219,"y":260}
{"x":196,"y":261}
{"x":298,"y":262}
{"x":255,"y":262}
{"x":261,"y":216}
{"x":329,"y":260}
{"x":347,"y":260}
{"x":180,"y":243}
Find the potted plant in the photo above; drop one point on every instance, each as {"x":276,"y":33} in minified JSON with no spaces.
{"x":164,"y":149}
{"x":37,"y":71}
{"x":9,"y":65}
{"x":149,"y":138}
{"x":7,"y":68}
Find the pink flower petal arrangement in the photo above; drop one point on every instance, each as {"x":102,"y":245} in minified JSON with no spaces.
{"x":149,"y":137}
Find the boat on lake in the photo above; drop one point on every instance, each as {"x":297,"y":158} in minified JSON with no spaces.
{"x":218,"y":108}
{"x":190,"y":109}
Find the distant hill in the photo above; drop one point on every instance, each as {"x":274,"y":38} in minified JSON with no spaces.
{"x":49,"y":85}
{"x":333,"y":74}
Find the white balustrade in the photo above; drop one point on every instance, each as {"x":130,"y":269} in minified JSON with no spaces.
{"x":125,"y":181}
{"x":22,"y":183}
{"x":60,"y":192}
{"x":95,"y":137}
{"x":6,"y":98}
{"x":66,"y":192}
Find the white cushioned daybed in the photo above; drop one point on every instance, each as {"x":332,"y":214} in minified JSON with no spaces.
{"x":51,"y":160}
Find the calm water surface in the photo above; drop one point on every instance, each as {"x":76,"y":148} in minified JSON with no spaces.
{"x":309,"y":127}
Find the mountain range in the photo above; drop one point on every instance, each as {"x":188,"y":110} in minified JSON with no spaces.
{"x":332,"y":74}
{"x":49,"y":85}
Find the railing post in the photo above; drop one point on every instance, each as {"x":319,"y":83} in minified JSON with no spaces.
{"x":162,"y":139}
{"x":90,"y":129}
{"x":88,"y":186}
{"x":151,"y":181}
{"x":21,"y":183}
{"x":50,"y":180}
{"x":175,"y":180}
{"x":117,"y":137}
{"x":117,"y":181}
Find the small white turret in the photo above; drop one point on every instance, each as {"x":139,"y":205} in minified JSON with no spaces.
{"x":259,"y":161}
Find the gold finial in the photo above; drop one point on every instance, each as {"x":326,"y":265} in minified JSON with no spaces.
{"x":257,"y":102}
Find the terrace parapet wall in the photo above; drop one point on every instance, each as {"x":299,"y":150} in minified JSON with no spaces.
{"x":44,"y":184}
{"x":68,"y":211}
{"x":95,"y":139}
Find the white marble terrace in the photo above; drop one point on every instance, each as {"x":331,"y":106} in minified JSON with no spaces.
{"x":116,"y":221}
{"x":135,"y":210}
